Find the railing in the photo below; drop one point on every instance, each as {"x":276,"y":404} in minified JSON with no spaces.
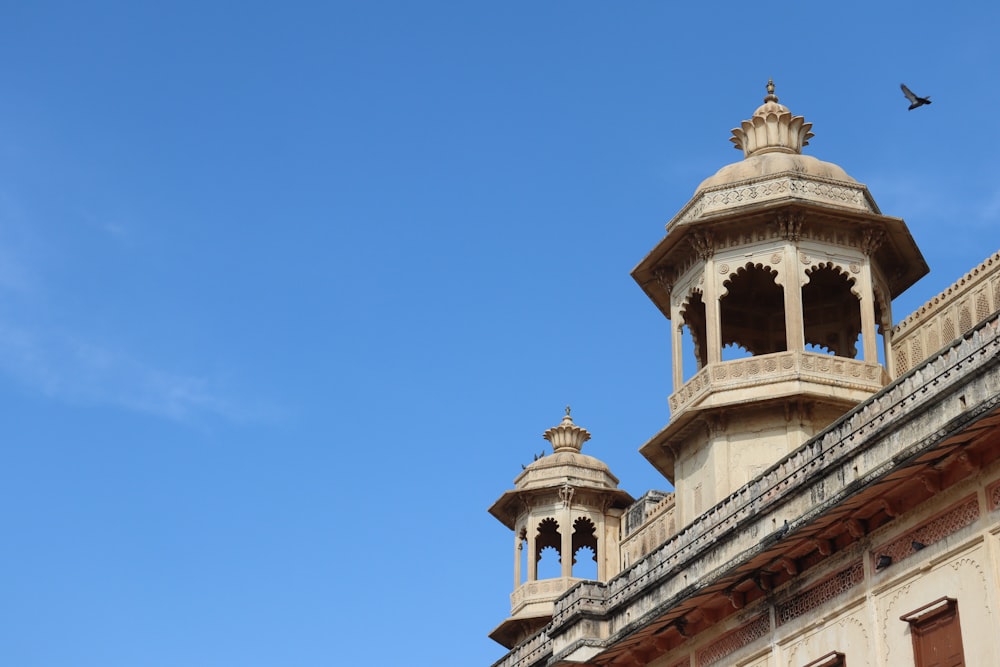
{"x":540,"y":590}
{"x":777,"y":367}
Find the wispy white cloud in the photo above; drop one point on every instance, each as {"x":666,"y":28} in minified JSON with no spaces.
{"x":64,"y":364}
{"x":67,"y":368}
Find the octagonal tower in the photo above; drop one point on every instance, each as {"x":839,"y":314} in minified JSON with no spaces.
{"x":787,"y":261}
{"x":566,"y":504}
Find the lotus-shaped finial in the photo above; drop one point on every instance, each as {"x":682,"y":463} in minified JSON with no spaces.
{"x":772,"y":129}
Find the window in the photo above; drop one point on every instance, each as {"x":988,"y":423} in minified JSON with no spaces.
{"x":937,"y":635}
{"x":835,"y":659}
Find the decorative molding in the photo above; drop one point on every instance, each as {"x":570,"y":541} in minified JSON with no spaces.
{"x":886,"y":623}
{"x":978,"y":567}
{"x":782,"y":186}
{"x":815,"y":264}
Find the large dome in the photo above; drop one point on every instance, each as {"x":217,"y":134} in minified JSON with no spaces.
{"x":566,"y":467}
{"x":768,"y":164}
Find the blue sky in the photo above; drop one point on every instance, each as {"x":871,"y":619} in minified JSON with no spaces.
{"x":289,"y":292}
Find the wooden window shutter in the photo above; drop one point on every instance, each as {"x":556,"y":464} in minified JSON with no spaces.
{"x":937,"y":634}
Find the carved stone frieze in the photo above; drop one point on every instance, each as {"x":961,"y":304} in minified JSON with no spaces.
{"x":837,"y":193}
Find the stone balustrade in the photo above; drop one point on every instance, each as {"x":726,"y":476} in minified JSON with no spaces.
{"x":779,"y":367}
{"x":539,"y":591}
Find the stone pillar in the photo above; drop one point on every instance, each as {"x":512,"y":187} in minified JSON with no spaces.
{"x":677,"y":346}
{"x":795,"y":337}
{"x":890,"y":361}
{"x":713,"y":320}
{"x":532,"y":552}
{"x":601,"y":550}
{"x":518,"y":549}
{"x":868,"y":335}
{"x":566,"y":532}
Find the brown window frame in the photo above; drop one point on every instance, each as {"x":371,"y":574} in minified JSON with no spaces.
{"x":935,"y":615}
{"x":832,"y":659}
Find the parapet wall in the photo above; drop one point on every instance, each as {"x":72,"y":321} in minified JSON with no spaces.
{"x":648,"y":523}
{"x":950,"y":314}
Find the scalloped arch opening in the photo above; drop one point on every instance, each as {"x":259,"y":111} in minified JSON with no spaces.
{"x":752,"y":311}
{"x":831,"y":311}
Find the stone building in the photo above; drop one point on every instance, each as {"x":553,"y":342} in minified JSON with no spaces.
{"x":836,"y":486}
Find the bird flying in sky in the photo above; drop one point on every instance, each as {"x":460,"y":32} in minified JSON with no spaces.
{"x":914,"y":100}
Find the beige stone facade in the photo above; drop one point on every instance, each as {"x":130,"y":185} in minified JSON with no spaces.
{"x":829,"y":508}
